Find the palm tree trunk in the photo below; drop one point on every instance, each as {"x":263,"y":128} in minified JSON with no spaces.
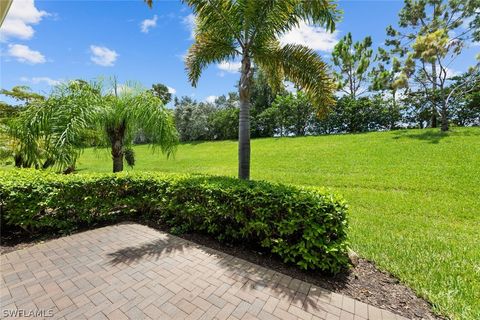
{"x":117,"y":156}
{"x":244,"y":119}
{"x":18,"y":160}
{"x":116,"y":135}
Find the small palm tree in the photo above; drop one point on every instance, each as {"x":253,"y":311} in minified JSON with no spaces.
{"x":51,"y":133}
{"x":123,"y":114}
{"x":250,"y":30}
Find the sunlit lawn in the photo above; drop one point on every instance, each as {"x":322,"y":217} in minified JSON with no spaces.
{"x":414,"y":196}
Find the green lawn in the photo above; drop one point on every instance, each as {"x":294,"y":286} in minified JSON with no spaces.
{"x":414,"y":197}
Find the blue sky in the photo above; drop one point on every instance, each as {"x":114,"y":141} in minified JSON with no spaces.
{"x":44,"y":42}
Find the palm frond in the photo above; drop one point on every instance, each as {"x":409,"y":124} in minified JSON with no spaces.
{"x":71,"y":109}
{"x":209,"y":47}
{"x":271,"y":18}
{"x":275,"y":18}
{"x":221,"y":16}
{"x":26,"y":131}
{"x":321,"y":12}
{"x":302,"y":66}
{"x":155,"y":121}
{"x":272,"y":69}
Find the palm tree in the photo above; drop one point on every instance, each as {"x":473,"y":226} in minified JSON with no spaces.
{"x":125,"y":113}
{"x":51,"y":133}
{"x":250,"y":30}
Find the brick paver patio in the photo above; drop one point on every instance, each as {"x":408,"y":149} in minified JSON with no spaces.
{"x":130,"y":271}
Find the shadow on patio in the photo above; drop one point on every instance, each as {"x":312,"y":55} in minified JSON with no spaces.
{"x":250,"y":279}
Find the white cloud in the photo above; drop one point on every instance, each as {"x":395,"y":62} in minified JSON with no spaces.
{"x":21,"y":16}
{"x":452,"y":73}
{"x":148,"y":23}
{"x":171,"y":90}
{"x":24,"y":54}
{"x":211,"y":99}
{"x":103,"y":56}
{"x":231,"y":67}
{"x":191,"y":24}
{"x":37,"y":80}
{"x":317,"y":38}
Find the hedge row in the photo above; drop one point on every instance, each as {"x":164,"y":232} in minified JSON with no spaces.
{"x":305,"y":226}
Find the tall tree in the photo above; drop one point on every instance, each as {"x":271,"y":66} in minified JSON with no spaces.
{"x":352,"y":61}
{"x":417,"y":110}
{"x":162,"y":92}
{"x":431,"y":36}
{"x":385,"y":72}
{"x":261,"y":98}
{"x":464,"y":95}
{"x":250,"y":30}
{"x":383,"y":76}
{"x":192,"y":119}
{"x":295,"y":114}
{"x":224,"y":120}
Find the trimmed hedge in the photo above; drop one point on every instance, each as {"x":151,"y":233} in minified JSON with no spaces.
{"x":306,"y":226}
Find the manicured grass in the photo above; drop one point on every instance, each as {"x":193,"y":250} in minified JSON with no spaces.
{"x":414,"y":197}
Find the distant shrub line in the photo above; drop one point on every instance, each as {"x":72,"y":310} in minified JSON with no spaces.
{"x":305,"y":226}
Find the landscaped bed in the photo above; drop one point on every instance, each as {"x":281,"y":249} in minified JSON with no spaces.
{"x":304,"y":226}
{"x":268,"y":224}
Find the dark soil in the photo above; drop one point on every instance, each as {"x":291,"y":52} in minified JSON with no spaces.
{"x":363,"y":281}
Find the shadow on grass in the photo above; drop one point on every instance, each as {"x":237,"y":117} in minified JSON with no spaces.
{"x":429,"y":136}
{"x":203,"y":262}
{"x":193,"y":143}
{"x":198,"y":142}
{"x":434,"y":136}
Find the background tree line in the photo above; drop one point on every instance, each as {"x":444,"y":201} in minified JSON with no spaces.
{"x":404,"y":84}
{"x":292,"y":114}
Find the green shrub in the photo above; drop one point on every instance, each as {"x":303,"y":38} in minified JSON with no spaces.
{"x":305,"y":226}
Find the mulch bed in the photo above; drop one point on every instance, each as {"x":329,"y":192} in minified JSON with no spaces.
{"x":363,"y":282}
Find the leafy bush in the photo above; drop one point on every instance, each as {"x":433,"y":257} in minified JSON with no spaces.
{"x":305,"y":226}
